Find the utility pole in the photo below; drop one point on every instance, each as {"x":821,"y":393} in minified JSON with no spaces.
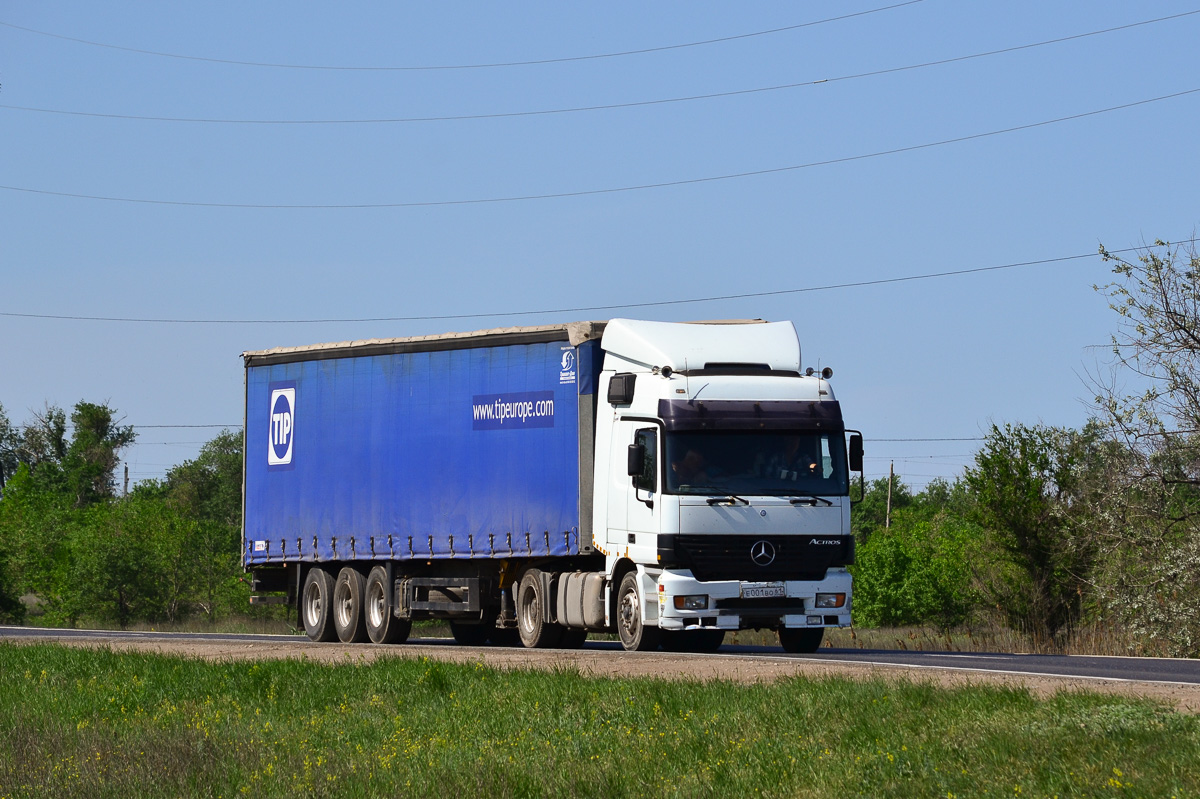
{"x":125,"y":493}
{"x":887,"y":522}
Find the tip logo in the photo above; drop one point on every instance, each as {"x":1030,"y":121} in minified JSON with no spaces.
{"x":568,"y":361}
{"x":282,"y":426}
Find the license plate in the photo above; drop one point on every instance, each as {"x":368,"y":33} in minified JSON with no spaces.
{"x":762,"y":590}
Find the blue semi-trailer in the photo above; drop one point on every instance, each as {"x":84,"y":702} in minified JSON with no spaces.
{"x":666,"y":482}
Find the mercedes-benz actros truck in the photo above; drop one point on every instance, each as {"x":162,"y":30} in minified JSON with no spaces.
{"x":664,"y":482}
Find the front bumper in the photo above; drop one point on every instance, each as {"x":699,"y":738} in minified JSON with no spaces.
{"x":728,"y":608}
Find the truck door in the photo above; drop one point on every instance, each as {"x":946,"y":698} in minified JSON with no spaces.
{"x":633,"y":501}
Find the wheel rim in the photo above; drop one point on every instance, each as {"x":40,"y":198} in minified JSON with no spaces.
{"x":312,"y":605}
{"x":530,"y":610}
{"x":630,"y":618}
{"x":376,"y":605}
{"x":342,"y":604}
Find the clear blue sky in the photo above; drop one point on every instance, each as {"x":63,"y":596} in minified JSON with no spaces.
{"x":926,"y":359}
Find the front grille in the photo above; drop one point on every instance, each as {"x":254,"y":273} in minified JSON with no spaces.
{"x":730,"y":557}
{"x":770,"y":605}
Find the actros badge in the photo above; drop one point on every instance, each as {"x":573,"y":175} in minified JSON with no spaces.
{"x":282,"y":426}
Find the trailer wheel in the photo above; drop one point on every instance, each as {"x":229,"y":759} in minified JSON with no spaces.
{"x":348,"y":616}
{"x":316,"y":605}
{"x":692,"y":640}
{"x":535,"y":633}
{"x":800,"y":639}
{"x":635,"y":636}
{"x":383,"y":627}
{"x":469,"y":634}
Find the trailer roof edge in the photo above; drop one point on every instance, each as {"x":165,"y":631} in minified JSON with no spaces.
{"x":574,"y":332}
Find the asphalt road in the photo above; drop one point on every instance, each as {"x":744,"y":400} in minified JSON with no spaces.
{"x":1087,"y":667}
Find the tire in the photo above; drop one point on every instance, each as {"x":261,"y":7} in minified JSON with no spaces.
{"x":635,"y":636}
{"x":801,"y":640}
{"x":469,"y":634}
{"x":535,"y":633}
{"x":348,"y":616}
{"x":572,"y":638}
{"x":692,"y":640}
{"x":383,"y":627}
{"x":316,"y":605}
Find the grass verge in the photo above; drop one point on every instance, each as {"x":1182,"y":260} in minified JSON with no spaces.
{"x":93,"y":723}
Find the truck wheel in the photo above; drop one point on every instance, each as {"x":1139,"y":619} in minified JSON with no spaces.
{"x":316,"y":605}
{"x":348,"y":616}
{"x":535,"y":633}
{"x":383,"y":627}
{"x":692,"y":640}
{"x":469,"y":634}
{"x":635,"y":636}
{"x":801,"y":639}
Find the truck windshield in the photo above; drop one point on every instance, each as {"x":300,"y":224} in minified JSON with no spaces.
{"x":771,"y":463}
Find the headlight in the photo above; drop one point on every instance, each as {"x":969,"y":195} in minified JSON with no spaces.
{"x":830,"y":600}
{"x":693,"y":602}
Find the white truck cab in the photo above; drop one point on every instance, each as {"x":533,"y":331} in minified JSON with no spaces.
{"x":721,"y":500}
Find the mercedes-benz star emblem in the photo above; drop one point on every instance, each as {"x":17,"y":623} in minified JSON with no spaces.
{"x":762,"y":553}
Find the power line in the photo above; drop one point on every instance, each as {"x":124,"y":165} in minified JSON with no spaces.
{"x":577,"y":109}
{"x":611,"y":190}
{"x":184,"y":426}
{"x":430,"y":68}
{"x":583,"y":308}
{"x":899,"y":456}
{"x":895,"y":440}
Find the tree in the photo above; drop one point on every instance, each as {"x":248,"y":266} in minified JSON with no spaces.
{"x":40,"y":530}
{"x":11,"y":609}
{"x":210,"y":487}
{"x":35,"y":530}
{"x":208,"y":490}
{"x":90,"y":461}
{"x":42,"y":446}
{"x":125,"y":561}
{"x":871,"y":513}
{"x":1034,"y":496}
{"x":1158,"y":342}
{"x":9,"y":442}
{"x":1154,"y":519}
{"x":918,"y":571}
{"x":167,"y":550}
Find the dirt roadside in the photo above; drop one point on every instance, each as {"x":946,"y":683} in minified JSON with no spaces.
{"x":608,"y":663}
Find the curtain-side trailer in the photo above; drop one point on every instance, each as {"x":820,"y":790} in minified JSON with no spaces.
{"x":664,"y":481}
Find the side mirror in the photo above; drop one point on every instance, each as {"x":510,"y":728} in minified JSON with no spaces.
{"x":637,"y":458}
{"x":856,"y":453}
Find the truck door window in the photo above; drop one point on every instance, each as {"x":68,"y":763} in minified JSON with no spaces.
{"x":647,"y":480}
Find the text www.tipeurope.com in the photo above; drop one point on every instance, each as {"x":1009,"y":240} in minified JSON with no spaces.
{"x":500,"y":411}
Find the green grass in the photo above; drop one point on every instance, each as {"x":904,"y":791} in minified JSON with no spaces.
{"x":88,"y":723}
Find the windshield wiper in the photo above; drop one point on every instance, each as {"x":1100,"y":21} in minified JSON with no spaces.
{"x":725,"y":496}
{"x":730,"y":498}
{"x":810,"y":499}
